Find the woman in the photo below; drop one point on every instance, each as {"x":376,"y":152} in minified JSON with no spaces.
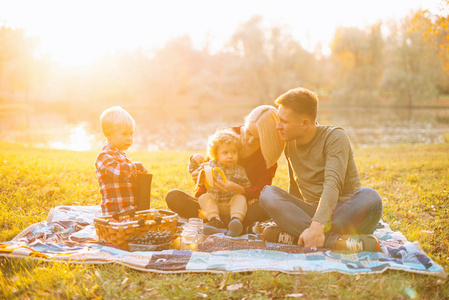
{"x":261,"y":148}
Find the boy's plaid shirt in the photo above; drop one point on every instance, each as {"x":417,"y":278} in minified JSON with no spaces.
{"x":115,"y":176}
{"x":234,"y":173}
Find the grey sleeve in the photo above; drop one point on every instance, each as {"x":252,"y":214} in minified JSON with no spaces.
{"x":337,"y":151}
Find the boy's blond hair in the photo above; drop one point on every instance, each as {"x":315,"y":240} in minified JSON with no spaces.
{"x":271,"y":144}
{"x":224,"y":136}
{"x":115,"y":118}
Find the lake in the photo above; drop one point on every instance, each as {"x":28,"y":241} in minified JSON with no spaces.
{"x":173,"y":128}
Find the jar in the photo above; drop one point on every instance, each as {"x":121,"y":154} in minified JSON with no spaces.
{"x":198,"y":224}
{"x":189,"y":238}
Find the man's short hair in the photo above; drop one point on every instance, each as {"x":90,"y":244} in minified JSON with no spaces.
{"x":115,"y":118}
{"x":301,"y":101}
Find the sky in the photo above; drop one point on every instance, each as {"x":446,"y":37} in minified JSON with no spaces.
{"x":79,"y":32}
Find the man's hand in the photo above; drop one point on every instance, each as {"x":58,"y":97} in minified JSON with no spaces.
{"x":312,"y":237}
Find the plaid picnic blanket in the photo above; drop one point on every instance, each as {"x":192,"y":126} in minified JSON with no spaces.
{"x":68,"y":235}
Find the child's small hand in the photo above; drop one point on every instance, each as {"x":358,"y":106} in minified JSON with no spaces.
{"x":227,"y":187}
{"x":140,"y":169}
{"x":199,"y":158}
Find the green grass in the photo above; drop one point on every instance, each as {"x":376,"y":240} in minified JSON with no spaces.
{"x":413,"y":181}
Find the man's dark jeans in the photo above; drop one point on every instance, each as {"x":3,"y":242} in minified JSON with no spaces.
{"x":359,"y":215}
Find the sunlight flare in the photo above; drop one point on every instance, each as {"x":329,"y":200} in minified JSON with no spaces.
{"x":78,"y":140}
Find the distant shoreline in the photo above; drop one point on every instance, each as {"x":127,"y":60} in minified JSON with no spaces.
{"x":22,"y":106}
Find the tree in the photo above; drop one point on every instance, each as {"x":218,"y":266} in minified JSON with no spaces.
{"x":412,"y":69}
{"x":435,"y":31}
{"x":18,"y":67}
{"x":357,"y":55}
{"x":176,"y":71}
{"x":271,"y":61}
{"x":249,"y":43}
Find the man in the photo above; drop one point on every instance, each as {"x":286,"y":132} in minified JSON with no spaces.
{"x":325,"y":206}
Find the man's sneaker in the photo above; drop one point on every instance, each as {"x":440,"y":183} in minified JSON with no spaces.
{"x":363,"y":242}
{"x":274,"y":234}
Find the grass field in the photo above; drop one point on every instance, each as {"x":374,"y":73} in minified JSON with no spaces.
{"x":413,"y":181}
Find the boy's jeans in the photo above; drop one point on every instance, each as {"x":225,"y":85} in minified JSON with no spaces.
{"x":359,"y":215}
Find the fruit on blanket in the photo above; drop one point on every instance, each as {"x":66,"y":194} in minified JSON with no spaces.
{"x":202,"y":214}
{"x":176,"y":244}
{"x":206,"y":176}
{"x":152,"y":238}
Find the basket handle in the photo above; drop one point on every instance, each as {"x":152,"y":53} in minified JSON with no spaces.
{"x":131,"y":213}
{"x":167,"y":212}
{"x":101,"y":221}
{"x":141,"y":222}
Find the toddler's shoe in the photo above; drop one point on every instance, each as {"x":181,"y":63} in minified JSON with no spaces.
{"x":274,"y":234}
{"x":208,"y":230}
{"x":235,"y":228}
{"x":214,"y":226}
{"x":217,"y":223}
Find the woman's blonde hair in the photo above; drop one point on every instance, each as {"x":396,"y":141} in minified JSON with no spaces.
{"x":115,"y":118}
{"x":223,"y":136}
{"x":271,"y":144}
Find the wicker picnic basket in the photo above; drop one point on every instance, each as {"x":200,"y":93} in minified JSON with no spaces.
{"x":118,"y":229}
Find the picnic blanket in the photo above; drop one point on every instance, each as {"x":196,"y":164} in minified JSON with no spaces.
{"x":68,"y":235}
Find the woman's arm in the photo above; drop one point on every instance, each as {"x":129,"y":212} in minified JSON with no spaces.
{"x":195,"y":162}
{"x":259,"y":179}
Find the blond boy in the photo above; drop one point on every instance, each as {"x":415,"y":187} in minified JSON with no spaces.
{"x":114,"y":169}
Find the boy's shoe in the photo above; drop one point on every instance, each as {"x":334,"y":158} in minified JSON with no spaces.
{"x":274,"y":234}
{"x":362,"y":242}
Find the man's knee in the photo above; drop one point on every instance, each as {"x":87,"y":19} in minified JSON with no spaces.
{"x":371,"y":196}
{"x":267,"y":196}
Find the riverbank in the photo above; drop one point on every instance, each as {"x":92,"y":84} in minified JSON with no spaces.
{"x":75,"y":127}
{"x":441,"y":102}
{"x":412,"y":181}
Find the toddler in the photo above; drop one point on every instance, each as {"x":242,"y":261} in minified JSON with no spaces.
{"x":223,"y":149}
{"x":115,"y":171}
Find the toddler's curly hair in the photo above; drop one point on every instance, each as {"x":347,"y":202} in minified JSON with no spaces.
{"x":223,"y":136}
